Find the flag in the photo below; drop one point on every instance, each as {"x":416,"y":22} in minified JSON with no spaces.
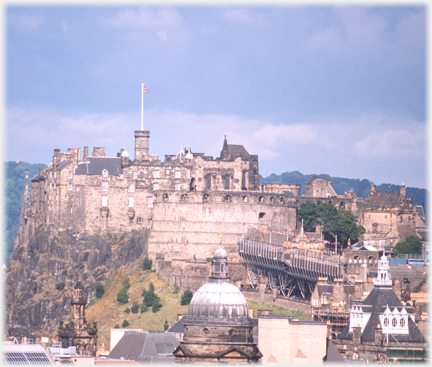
{"x":145,"y":90}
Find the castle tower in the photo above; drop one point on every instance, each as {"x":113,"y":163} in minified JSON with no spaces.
{"x":142,"y":145}
{"x":384,"y":278}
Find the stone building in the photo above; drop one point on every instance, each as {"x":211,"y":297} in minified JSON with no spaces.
{"x":217,"y":327}
{"x":380,"y":326}
{"x":78,"y":333}
{"x":286,"y":339}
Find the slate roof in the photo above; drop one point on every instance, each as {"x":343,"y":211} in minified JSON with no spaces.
{"x":420,"y":211}
{"x":384,"y":199}
{"x":62,"y":165}
{"x":177,"y":327}
{"x":313,"y":178}
{"x":378,"y":298}
{"x":237,"y":151}
{"x":145,"y":346}
{"x":289,"y":194}
{"x":98,"y":164}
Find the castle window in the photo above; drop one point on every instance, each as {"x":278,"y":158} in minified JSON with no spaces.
{"x":149,"y":202}
{"x":77,"y":188}
{"x":177,"y":187}
{"x":104,"y":185}
{"x":394,"y":322}
{"x":156,"y":186}
{"x":131,"y":187}
{"x":208,"y":182}
{"x":226,"y":182}
{"x":139,"y":220}
{"x":402,"y":322}
{"x":135,"y":174}
{"x":69,"y":186}
{"x":155,"y":173}
{"x":70,"y":174}
{"x":131,"y":202}
{"x":386,"y":322}
{"x":65,"y":197}
{"x":167,"y":172}
{"x":55,"y":174}
{"x":375,"y":227}
{"x":261,"y":216}
{"x":104,"y":200}
{"x":50,"y":186}
{"x":177,"y":174}
{"x":77,"y":201}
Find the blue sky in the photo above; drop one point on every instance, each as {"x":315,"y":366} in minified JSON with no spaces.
{"x":318,"y":89}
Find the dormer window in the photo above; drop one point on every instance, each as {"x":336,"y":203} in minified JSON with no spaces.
{"x":104,"y":173}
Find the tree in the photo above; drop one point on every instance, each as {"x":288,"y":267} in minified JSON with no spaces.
{"x":125,"y":323}
{"x":135,"y":307}
{"x":156,"y":307}
{"x":327,"y":214}
{"x":344,"y":225}
{"x":122,"y":296}
{"x":60,"y":286}
{"x":308,"y":212}
{"x":147,"y":263}
{"x":126,"y":283}
{"x":411,"y":245}
{"x":150,"y":297}
{"x":100,"y":290}
{"x":186,"y":297}
{"x":91,"y":330}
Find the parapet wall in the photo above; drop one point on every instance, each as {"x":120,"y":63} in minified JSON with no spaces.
{"x":188,"y":224}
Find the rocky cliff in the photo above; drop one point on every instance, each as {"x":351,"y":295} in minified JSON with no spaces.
{"x":34,"y":303}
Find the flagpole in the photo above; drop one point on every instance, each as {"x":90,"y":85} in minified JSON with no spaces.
{"x":142,"y":107}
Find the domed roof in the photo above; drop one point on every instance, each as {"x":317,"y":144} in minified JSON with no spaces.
{"x":125,"y":153}
{"x":220,"y":253}
{"x":218,"y":300}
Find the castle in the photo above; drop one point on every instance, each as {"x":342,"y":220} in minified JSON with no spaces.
{"x":188,"y":199}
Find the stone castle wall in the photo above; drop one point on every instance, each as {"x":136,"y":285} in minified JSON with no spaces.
{"x":188,"y":224}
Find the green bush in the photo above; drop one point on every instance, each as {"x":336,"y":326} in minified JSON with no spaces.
{"x":135,"y":307}
{"x":126,"y":283}
{"x":125,"y":323}
{"x":147,"y":263}
{"x":122,"y":296}
{"x":91,"y":330}
{"x":186,"y":297}
{"x":60,"y":286}
{"x":175,"y":289}
{"x":127,"y":310}
{"x":156,"y":307}
{"x":143,"y":307}
{"x":116,"y":326}
{"x":150,"y":298}
{"x":100,"y":290}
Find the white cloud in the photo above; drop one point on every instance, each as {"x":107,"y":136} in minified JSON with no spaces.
{"x":392,"y":144}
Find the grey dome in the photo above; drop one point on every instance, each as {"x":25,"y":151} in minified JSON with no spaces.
{"x":218,"y":300}
{"x":220,"y":253}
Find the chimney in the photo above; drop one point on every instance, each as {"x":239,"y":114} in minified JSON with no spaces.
{"x":378,"y":334}
{"x":86,"y":156}
{"x":56,"y":158}
{"x":402,"y":190}
{"x":98,"y":152}
{"x":372,"y":189}
{"x":356,"y":335}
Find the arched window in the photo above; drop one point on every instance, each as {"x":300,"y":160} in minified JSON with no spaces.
{"x":402,"y":322}
{"x":386,"y":322}
{"x":394,"y":322}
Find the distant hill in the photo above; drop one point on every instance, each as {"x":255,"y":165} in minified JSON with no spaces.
{"x":15,"y":181}
{"x":342,"y":185}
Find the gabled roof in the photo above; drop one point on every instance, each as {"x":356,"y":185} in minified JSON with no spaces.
{"x":177,"y":327}
{"x":98,"y":164}
{"x":379,"y":298}
{"x":313,"y":178}
{"x":62,"y":165}
{"x":136,"y":345}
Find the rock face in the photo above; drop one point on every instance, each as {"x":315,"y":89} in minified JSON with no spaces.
{"x":34,"y":304}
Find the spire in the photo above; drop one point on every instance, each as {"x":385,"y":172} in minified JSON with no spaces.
{"x":225,"y":149}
